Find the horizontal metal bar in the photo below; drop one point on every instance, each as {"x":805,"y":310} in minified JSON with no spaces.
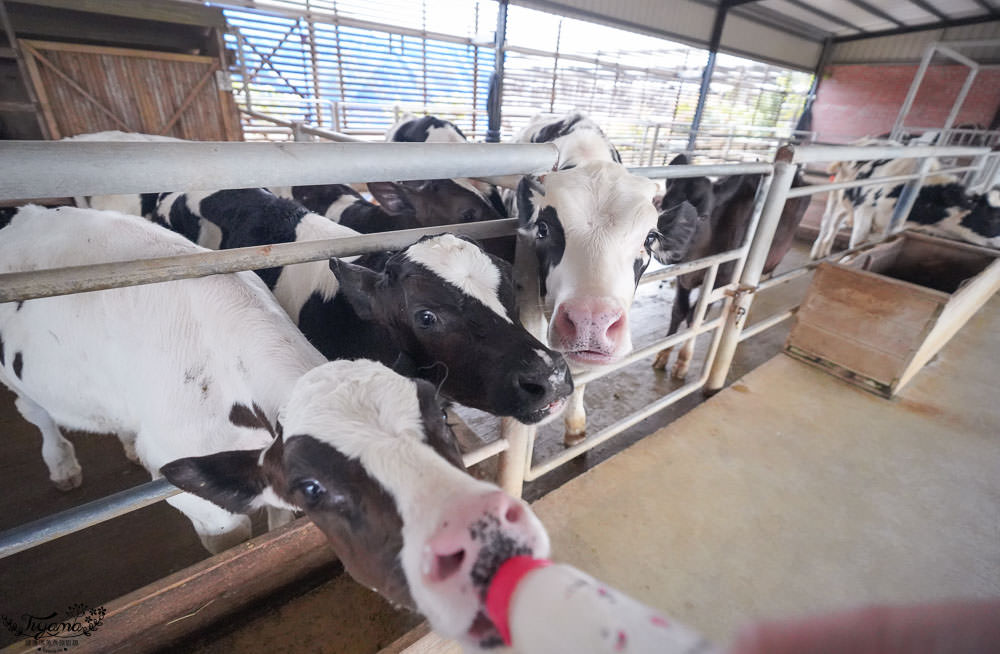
{"x":479,"y":455}
{"x":649,"y":350}
{"x":86,"y":515}
{"x":613,"y":430}
{"x":308,"y":129}
{"x":690,"y":266}
{"x":794,"y":274}
{"x":70,"y":168}
{"x":680,"y":172}
{"x":766,"y":324}
{"x":813,"y":153}
{"x":823,"y":188}
{"x":75,"y":279}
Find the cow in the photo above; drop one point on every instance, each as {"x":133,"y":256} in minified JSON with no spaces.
{"x":221,"y":395}
{"x":592,"y":226}
{"x":699,"y":218}
{"x":942,"y":206}
{"x":441,"y":309}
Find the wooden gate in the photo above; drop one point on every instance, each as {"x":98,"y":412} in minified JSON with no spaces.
{"x":85,"y":88}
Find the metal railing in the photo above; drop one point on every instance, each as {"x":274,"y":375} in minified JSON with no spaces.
{"x":90,"y":168}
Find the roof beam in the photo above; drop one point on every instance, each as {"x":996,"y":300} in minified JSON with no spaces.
{"x":929,"y":8}
{"x":985,"y":5}
{"x":770,"y":18}
{"x":824,"y":15}
{"x":875,"y":11}
{"x":937,"y":25}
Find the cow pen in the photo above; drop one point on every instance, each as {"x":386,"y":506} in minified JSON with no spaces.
{"x":69,"y":168}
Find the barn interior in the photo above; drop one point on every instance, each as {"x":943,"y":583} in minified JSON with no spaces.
{"x":789,"y":492}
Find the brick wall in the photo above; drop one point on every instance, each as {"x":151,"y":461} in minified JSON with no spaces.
{"x":861,"y":100}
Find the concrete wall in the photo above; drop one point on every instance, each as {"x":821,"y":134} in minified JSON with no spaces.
{"x":857,"y":100}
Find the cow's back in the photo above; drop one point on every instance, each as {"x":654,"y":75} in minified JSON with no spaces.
{"x":119,"y":359}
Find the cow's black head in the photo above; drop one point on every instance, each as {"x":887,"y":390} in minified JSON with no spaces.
{"x":450,"y":309}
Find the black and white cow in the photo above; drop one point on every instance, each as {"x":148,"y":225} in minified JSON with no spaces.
{"x":700,"y":218}
{"x":216,"y":389}
{"x":943,"y":206}
{"x":593,"y":226}
{"x":441,"y":309}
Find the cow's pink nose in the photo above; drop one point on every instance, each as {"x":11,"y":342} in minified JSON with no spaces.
{"x":470,"y":528}
{"x":590,"y":324}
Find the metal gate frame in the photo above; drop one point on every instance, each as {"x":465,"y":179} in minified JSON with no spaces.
{"x":65,"y":168}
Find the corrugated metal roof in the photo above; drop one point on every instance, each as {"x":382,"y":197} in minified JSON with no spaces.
{"x":791,"y":32}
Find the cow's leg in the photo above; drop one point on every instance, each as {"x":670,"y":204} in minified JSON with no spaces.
{"x":830,"y":224}
{"x":217,"y":528}
{"x":575,"y":418}
{"x":678,"y":312}
{"x":57,"y":452}
{"x":683,"y":362}
{"x":128,"y":444}
{"x":862,"y":226}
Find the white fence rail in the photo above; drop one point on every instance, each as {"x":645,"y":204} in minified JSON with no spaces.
{"x":58,"y":169}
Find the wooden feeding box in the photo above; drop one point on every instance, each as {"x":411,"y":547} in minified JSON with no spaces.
{"x":877,"y":319}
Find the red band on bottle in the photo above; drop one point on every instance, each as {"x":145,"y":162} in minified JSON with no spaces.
{"x":502,"y":589}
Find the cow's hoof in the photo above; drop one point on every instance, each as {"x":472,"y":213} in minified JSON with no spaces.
{"x":660,"y":363}
{"x":680,"y":370}
{"x":569,"y":440}
{"x":69,"y":483}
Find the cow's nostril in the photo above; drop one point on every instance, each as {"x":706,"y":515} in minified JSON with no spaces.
{"x":448,"y":564}
{"x":530,"y":388}
{"x":514,"y":513}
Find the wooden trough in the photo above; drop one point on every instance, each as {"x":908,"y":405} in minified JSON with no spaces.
{"x":877,"y":319}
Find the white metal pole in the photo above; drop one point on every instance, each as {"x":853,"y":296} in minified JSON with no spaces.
{"x":38,"y":169}
{"x":516,"y":459}
{"x":897,"y":127}
{"x":960,"y":100}
{"x":784,"y":174}
{"x":907,"y":197}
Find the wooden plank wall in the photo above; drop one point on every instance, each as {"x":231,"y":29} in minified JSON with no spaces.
{"x":94,"y":88}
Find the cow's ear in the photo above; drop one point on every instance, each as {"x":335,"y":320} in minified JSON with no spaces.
{"x":677,"y":228}
{"x":357,"y":286}
{"x":392,"y":197}
{"x":679,"y":160}
{"x":233,"y":480}
{"x":527,"y":189}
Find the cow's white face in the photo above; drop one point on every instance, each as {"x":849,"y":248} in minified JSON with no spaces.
{"x":367,"y":455}
{"x":592,"y":227}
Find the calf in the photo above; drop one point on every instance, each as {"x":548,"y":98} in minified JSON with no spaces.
{"x":218,"y":392}
{"x":441,"y":309}
{"x":367,"y":455}
{"x":699,"y":218}
{"x":593,"y":226}
{"x":942,"y":206}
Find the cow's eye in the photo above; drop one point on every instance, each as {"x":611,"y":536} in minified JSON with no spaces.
{"x":651,"y":239}
{"x":542,"y":229}
{"x":469,"y":216}
{"x":312,"y":491}
{"x":426,"y":318}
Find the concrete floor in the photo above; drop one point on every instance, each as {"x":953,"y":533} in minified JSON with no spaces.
{"x":791,"y":492}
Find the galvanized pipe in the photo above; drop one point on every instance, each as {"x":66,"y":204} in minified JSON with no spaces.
{"x":814,"y":153}
{"x":835,"y":186}
{"x":611,"y":431}
{"x":911,"y":94}
{"x":690,"y":266}
{"x":35,"y":169}
{"x":766,"y":323}
{"x":680,"y":172}
{"x":18,"y":286}
{"x":963,"y":92}
{"x":480,"y":454}
{"x":307,"y":129}
{"x":647,"y":351}
{"x":86,"y":515}
{"x":784,"y":174}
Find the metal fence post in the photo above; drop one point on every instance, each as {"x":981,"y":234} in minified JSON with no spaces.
{"x":784,"y":173}
{"x":908,"y":196}
{"x":516,"y":459}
